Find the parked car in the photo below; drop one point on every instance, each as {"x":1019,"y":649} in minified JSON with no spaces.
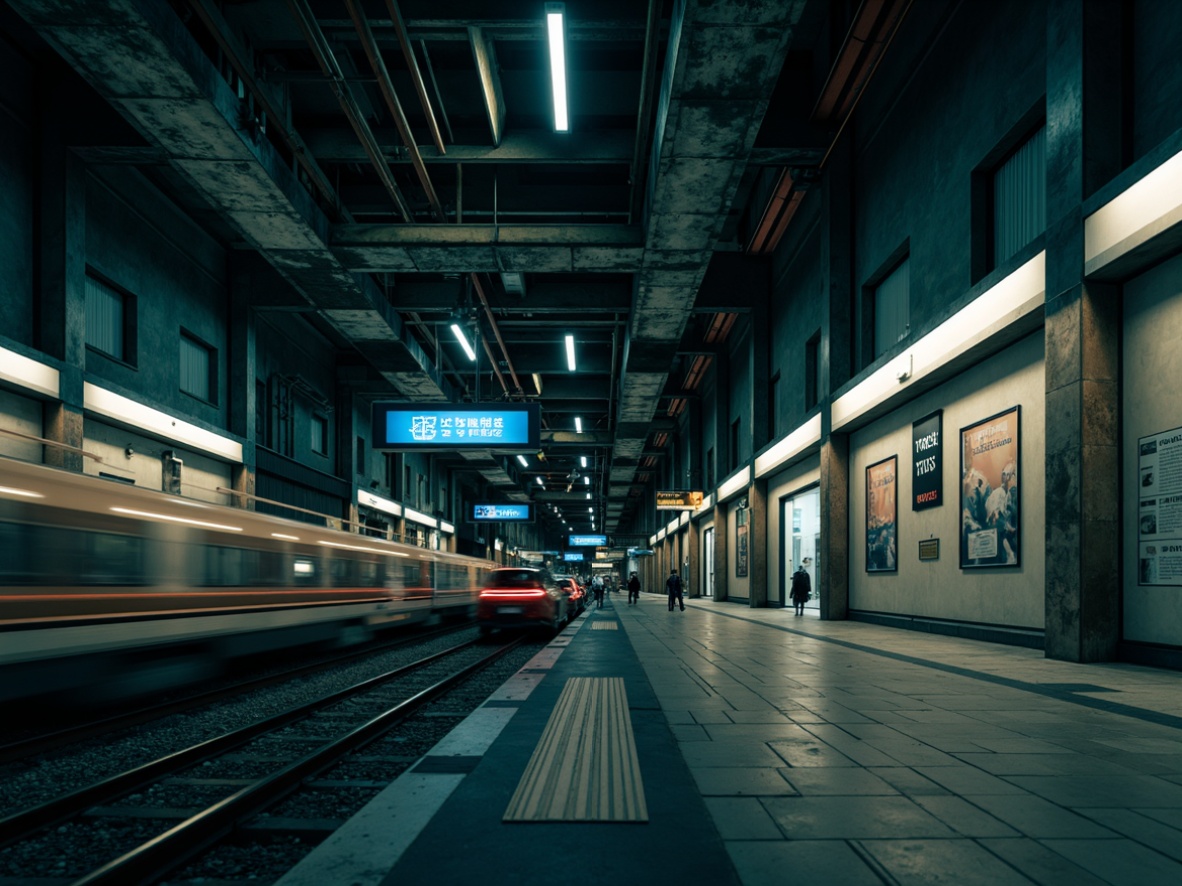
{"x":576,"y":597}
{"x":521,"y":597}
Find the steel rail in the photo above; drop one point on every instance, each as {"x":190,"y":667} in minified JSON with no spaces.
{"x":22,"y":824}
{"x":167,"y":852}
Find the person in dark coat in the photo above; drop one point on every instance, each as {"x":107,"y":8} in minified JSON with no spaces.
{"x":634,"y":589}
{"x":801,"y":589}
{"x":673,"y":586}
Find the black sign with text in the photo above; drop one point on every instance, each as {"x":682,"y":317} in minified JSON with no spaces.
{"x":927,"y":460}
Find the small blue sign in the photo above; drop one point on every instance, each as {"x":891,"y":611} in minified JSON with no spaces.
{"x":570,"y":557}
{"x":587,"y":541}
{"x":456,"y":426}
{"x":503,"y":513}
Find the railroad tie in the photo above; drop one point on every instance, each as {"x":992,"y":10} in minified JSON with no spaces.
{"x":585,"y":766}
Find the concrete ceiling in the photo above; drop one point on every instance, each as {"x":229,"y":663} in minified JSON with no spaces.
{"x":269,"y":118}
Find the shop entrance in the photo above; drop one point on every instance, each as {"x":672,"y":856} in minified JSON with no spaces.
{"x":708,"y":562}
{"x":800,"y":542}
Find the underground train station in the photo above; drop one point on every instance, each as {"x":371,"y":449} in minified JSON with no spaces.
{"x":775,"y":400}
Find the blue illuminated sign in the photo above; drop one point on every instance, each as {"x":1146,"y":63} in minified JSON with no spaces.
{"x":572,"y":558}
{"x":586,"y":541}
{"x":456,"y":426}
{"x":503,"y":513}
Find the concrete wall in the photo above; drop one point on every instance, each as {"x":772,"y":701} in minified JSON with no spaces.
{"x":200,"y":476}
{"x":1151,"y":403}
{"x":1009,"y":596}
{"x":17,"y":187}
{"x":1157,"y":78}
{"x":22,"y":415}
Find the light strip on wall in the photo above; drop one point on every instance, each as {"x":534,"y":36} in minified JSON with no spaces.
{"x":671,"y":526}
{"x":378,"y":503}
{"x":734,"y":483}
{"x":129,"y":412}
{"x":995,"y":309}
{"x":799,"y":440}
{"x":26,"y":373}
{"x":447,"y":527}
{"x":579,"y":430}
{"x":416,"y":517}
{"x":524,"y":463}
{"x":661,"y":533}
{"x":570,"y":353}
{"x":554,"y":29}
{"x":458,"y":332}
{"x":1134,"y":216}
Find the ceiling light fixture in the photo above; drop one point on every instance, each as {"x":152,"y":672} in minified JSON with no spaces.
{"x":579,"y":430}
{"x":540,"y":482}
{"x":582,"y":461}
{"x":524,"y":463}
{"x":586,"y":481}
{"x":554,"y":16}
{"x":570,"y":353}
{"x":458,"y":331}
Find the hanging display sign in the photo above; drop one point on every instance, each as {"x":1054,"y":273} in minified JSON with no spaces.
{"x":927,"y":462}
{"x":586,"y":541}
{"x":425,"y":426}
{"x":1159,"y":509}
{"x":573,"y":556}
{"x":503,"y":513}
{"x":679,"y":501}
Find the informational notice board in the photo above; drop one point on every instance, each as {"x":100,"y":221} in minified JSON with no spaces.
{"x":1159,"y":509}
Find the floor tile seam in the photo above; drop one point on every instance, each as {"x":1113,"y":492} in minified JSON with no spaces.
{"x":1103,"y":705}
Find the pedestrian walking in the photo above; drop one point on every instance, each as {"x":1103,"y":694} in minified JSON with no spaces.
{"x":633,"y":589}
{"x":597,"y":587}
{"x":802,"y":590}
{"x":673,"y":586}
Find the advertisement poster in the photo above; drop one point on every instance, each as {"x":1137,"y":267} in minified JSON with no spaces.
{"x":927,"y":462}
{"x":882,"y":515}
{"x":989,"y":531}
{"x":741,"y":543}
{"x":1159,"y":510}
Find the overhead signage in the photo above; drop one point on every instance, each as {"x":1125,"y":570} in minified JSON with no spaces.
{"x":639,"y":552}
{"x":503,"y":513}
{"x":927,"y":462}
{"x":573,"y":557}
{"x":586,"y":541}
{"x":425,"y":426}
{"x":679,"y":501}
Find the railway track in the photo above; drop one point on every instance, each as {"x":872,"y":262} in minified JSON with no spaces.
{"x":156,"y":817}
{"x":42,"y":741}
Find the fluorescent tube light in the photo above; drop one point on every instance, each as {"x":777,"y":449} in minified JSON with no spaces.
{"x":524,"y":463}
{"x":463,"y":340}
{"x":554,"y":15}
{"x":582,"y":461}
{"x":579,"y":428}
{"x":540,"y":483}
{"x":570,"y":353}
{"x":586,"y":481}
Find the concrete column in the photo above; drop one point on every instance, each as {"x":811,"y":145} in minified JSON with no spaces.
{"x":833,"y":585}
{"x":722,"y":569}
{"x":693,"y":572}
{"x":757,"y":544}
{"x":1082,"y":340}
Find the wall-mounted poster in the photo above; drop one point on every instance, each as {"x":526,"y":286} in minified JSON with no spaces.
{"x":882,"y":514}
{"x":989,"y":531}
{"x":1159,"y":509}
{"x":741,"y":543}
{"x":927,"y":462}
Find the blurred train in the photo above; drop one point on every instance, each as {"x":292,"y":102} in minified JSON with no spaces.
{"x":112,"y":591}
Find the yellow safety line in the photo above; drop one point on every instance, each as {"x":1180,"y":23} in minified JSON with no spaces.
{"x":585,"y":766}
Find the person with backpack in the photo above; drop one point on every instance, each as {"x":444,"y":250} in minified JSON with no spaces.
{"x":673,"y":586}
{"x":634,"y":589}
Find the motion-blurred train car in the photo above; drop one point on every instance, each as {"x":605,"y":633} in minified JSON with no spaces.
{"x":110,"y":591}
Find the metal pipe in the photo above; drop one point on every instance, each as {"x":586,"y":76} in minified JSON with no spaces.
{"x":416,"y":76}
{"x":492,"y":321}
{"x":318,"y":43}
{"x":374,"y":54}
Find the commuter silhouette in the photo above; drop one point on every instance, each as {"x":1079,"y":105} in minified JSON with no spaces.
{"x":633,"y":589}
{"x":673,"y":586}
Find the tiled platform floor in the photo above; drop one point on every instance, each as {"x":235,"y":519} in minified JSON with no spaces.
{"x":843,"y":752}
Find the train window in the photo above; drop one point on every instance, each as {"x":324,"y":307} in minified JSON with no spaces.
{"x":367,"y":574}
{"x":223,"y":567}
{"x":304,"y":570}
{"x":106,"y":559}
{"x":15,"y":555}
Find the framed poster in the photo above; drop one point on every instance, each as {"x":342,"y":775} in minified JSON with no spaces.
{"x":882,"y":514}
{"x":741,"y":543}
{"x":990,"y":534}
{"x":927,"y":462}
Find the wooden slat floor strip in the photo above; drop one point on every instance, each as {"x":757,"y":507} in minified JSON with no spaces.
{"x":585,"y":766}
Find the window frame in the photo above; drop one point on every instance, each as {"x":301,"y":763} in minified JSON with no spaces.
{"x":128,"y":306}
{"x":211,"y":370}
